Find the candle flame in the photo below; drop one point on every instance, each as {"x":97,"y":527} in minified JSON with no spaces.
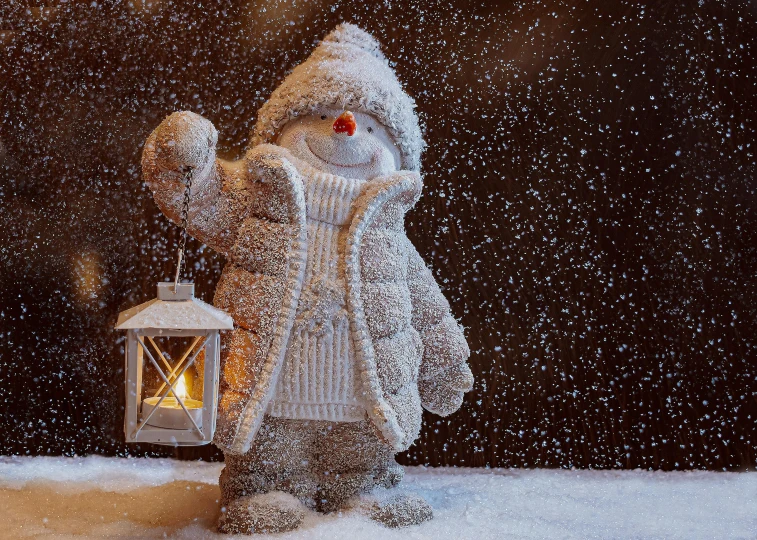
{"x":180,"y":390}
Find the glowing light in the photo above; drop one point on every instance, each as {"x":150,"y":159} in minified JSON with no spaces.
{"x":180,"y":390}
{"x":87,"y":277}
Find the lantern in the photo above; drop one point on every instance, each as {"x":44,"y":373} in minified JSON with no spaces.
{"x":166,"y":413}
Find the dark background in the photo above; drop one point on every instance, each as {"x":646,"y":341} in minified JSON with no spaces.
{"x":589,"y":209}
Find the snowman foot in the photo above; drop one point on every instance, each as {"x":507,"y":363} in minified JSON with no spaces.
{"x":399,"y":510}
{"x":272,"y":512}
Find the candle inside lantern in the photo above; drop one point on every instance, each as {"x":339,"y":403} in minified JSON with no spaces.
{"x":170,"y":413}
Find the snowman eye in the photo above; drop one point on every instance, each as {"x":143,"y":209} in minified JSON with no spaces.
{"x":323,"y":117}
{"x":370,"y":130}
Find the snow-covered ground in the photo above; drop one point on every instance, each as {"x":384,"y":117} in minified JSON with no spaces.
{"x":97,"y":497}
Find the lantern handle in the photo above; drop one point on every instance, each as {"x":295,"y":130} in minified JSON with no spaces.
{"x":184,"y":219}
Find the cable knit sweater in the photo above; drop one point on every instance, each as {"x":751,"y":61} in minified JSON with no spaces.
{"x":318,"y":379}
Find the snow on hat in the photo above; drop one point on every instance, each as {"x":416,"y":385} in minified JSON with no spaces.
{"x":347,"y":70}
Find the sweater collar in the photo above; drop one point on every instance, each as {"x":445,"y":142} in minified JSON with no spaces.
{"x":329,"y":197}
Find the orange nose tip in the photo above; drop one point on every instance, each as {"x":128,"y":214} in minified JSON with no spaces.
{"x":345,"y":123}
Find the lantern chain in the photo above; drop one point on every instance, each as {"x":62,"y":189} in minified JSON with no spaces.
{"x":184,"y":219}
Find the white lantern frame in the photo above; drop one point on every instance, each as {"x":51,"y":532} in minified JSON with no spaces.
{"x":174,"y":313}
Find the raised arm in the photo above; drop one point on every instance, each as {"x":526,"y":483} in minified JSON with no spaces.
{"x":444,"y":374}
{"x":220,"y":195}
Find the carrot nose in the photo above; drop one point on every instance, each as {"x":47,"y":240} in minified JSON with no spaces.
{"x":345,"y":123}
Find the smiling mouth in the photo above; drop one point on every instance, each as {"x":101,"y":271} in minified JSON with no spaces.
{"x":334,"y":163}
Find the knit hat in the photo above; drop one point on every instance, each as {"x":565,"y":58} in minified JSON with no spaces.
{"x":346,"y":71}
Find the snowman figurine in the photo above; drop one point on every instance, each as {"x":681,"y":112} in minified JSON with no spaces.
{"x":341,"y":334}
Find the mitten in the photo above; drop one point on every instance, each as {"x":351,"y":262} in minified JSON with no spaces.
{"x":184,"y":139}
{"x":443,"y":394}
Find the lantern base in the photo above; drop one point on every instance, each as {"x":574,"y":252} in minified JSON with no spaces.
{"x":168,"y":437}
{"x":177,"y":444}
{"x":170,"y":415}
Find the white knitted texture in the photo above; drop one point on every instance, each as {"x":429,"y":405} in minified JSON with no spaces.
{"x":318,"y":379}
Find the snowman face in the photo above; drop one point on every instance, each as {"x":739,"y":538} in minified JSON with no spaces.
{"x":367,"y":153}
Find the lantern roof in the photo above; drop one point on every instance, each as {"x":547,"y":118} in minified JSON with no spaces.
{"x":175,"y":308}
